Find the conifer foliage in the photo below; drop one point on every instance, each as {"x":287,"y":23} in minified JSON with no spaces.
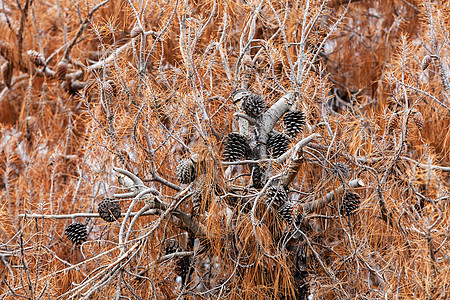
{"x":241,"y":149}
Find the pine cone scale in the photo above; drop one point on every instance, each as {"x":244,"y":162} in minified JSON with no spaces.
{"x":76,"y":233}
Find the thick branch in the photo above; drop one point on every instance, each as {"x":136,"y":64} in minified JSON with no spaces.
{"x":292,"y":171}
{"x":20,"y":34}
{"x":176,"y":254}
{"x":276,"y":111}
{"x":110,"y":58}
{"x":161,"y":180}
{"x":244,"y":123}
{"x":322,"y":202}
{"x":271,"y":117}
{"x":424,"y":166}
{"x":293,"y":151}
{"x":191,"y":225}
{"x":133,"y":183}
{"x":248,"y":118}
{"x":82,"y":215}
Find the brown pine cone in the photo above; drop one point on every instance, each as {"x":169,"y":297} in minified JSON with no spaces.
{"x":61,"y":69}
{"x":36,"y":58}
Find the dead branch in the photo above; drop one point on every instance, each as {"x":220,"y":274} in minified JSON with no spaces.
{"x":322,"y":202}
{"x":82,"y":28}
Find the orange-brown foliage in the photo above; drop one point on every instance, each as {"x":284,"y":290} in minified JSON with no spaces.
{"x":144,"y":103}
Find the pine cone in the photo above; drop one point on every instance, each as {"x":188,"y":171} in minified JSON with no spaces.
{"x":350,"y":203}
{"x":36,"y":58}
{"x":341,"y":170}
{"x":294,"y":122}
{"x":61,"y":69}
{"x":108,"y":92}
{"x":302,"y":266}
{"x":196,"y":202}
{"x":233,"y":201}
{"x":197,"y":196}
{"x":235,"y":146}
{"x":394,"y":122}
{"x":171,"y":246}
{"x":277,"y":144}
{"x":186,"y":171}
{"x":109,"y":210}
{"x":254,"y":105}
{"x":425,"y":62}
{"x":76,"y":85}
{"x":77,"y":233}
{"x":418,"y":119}
{"x":276,"y":196}
{"x":5,"y":50}
{"x":258,"y":174}
{"x":182,"y":265}
{"x":285,"y":211}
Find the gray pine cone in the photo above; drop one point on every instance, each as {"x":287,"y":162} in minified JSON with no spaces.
{"x":61,"y":69}
{"x":36,"y":58}
{"x":285,"y":211}
{"x":197,"y":196}
{"x":277,"y":196}
{"x":350,"y":203}
{"x":109,"y":210}
{"x":76,"y":233}
{"x":182,"y":264}
{"x":294,"y":122}
{"x":254,"y":105}
{"x":426,"y":62}
{"x":171,"y":246}
{"x":235,"y":146}
{"x":185,"y":171}
{"x":277,"y":144}
{"x":258,"y":174}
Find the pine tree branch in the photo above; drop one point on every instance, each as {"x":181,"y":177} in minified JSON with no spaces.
{"x":251,"y":120}
{"x":420,"y":91}
{"x":82,"y":28}
{"x":193,"y":226}
{"x":135,"y":184}
{"x":82,"y":215}
{"x":176,"y":254}
{"x":110,"y":58}
{"x":270,"y":118}
{"x":297,"y":147}
{"x":292,"y":171}
{"x":322,"y":202}
{"x":157,"y":178}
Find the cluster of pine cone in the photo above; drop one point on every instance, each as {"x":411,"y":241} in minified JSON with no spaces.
{"x":277,"y":198}
{"x":108,"y":209}
{"x":237,"y":147}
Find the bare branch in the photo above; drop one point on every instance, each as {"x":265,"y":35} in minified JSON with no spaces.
{"x":320,"y":203}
